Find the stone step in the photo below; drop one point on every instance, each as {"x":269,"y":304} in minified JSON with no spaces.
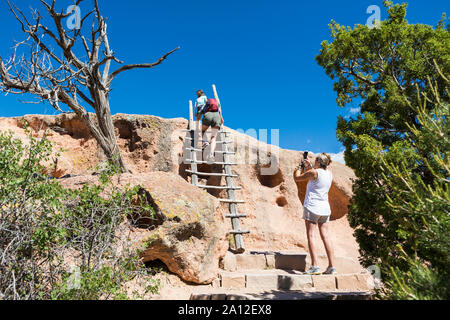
{"x":265,"y":280}
{"x":291,"y":280}
{"x":265,"y":260}
{"x":341,"y":263}
{"x":283,"y":295}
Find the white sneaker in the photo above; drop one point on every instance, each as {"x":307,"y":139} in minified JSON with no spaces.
{"x":313,"y":270}
{"x":330,"y":270}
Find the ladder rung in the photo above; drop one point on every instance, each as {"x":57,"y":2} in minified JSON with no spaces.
{"x":217,"y":151}
{"x":231,"y":201}
{"x":217,"y":142}
{"x":212,"y":174}
{"x":239,"y":231}
{"x":219,"y":187}
{"x":206,"y":162}
{"x":189,"y":130}
{"x":235,"y":216}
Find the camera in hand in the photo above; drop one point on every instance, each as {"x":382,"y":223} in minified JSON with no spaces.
{"x":305,"y":156}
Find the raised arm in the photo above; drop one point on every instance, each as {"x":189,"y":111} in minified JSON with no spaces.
{"x":308,"y":174}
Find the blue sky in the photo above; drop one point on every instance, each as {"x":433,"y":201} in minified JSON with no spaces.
{"x":259,"y":53}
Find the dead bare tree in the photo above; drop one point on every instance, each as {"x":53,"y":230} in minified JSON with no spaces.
{"x":62,"y":66}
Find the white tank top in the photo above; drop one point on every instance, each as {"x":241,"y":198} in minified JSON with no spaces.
{"x":316,"y":199}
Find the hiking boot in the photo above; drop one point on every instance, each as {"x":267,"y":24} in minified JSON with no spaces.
{"x":330,"y":270}
{"x":313,"y":270}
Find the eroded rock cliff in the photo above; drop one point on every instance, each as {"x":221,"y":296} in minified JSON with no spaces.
{"x":152,"y":148}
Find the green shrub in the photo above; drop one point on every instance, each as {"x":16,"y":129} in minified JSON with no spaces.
{"x":48,"y":232}
{"x":421,"y":210}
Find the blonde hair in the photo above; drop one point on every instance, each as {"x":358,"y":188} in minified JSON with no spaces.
{"x":324,"y":160}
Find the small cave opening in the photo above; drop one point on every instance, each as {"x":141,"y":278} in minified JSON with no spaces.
{"x":156,"y":266}
{"x":127,"y":132}
{"x":187,"y":231}
{"x":270,"y":181}
{"x":125,"y":129}
{"x":281,"y":201}
{"x":182,"y":171}
{"x":75,"y":128}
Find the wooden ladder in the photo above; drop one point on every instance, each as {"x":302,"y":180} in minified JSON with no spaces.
{"x":227,"y":164}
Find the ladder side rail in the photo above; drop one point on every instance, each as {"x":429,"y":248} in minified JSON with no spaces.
{"x":194,"y":176}
{"x":235,"y":221}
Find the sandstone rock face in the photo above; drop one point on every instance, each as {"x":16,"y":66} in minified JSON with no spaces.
{"x":273,"y":205}
{"x":273,"y":202}
{"x":144,"y":141}
{"x":192,"y":236}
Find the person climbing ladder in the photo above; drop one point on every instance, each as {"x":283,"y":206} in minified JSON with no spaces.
{"x":212,"y":117}
{"x":211,"y":112}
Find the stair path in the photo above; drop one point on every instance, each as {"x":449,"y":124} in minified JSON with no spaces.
{"x":282,"y":295}
{"x":260,"y":275}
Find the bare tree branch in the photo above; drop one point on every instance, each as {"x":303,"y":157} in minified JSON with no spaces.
{"x":45,"y":65}
{"x":143,"y":65}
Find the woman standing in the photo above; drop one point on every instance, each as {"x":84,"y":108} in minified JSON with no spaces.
{"x":316,"y":208}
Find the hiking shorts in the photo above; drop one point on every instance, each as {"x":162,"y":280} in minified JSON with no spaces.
{"x":314,"y":218}
{"x":212,"y":119}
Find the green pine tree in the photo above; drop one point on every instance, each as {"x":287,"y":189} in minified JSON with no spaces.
{"x":398,"y":146}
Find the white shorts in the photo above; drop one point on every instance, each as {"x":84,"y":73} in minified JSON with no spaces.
{"x":314,"y":218}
